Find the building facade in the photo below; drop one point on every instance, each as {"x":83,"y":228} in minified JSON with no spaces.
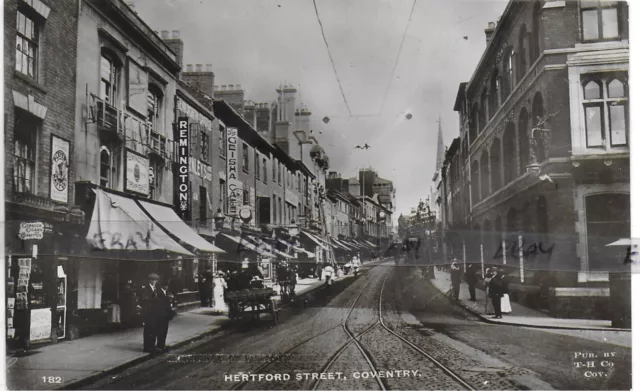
{"x":545,"y":152}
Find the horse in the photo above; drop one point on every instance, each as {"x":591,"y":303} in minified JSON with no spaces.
{"x":286,"y":276}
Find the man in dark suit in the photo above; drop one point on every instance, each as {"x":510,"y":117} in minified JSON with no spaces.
{"x":150,"y":314}
{"x":472,"y":280}
{"x":165,"y":314}
{"x":207,"y":288}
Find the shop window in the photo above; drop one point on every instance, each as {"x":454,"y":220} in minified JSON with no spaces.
{"x":607,"y":221}
{"x":600,"y":20}
{"x":605,"y":106}
{"x":24,"y":153}
{"x":27,"y":34}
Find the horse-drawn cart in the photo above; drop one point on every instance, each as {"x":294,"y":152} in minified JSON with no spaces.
{"x":253,"y":301}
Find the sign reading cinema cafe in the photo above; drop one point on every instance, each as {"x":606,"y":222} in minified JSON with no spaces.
{"x":183,"y":168}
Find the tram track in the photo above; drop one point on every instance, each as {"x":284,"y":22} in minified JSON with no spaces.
{"x":343,"y":324}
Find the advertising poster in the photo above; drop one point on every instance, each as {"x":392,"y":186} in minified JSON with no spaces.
{"x":138,"y":84}
{"x":59,"y":170}
{"x":182,"y":138}
{"x":40,"y":324}
{"x":234,"y":185}
{"x":137,"y":179}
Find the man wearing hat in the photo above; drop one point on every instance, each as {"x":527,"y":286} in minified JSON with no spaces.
{"x":150,"y":301}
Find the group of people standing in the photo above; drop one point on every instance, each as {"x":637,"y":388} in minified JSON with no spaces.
{"x":212,"y":289}
{"x":496,"y":284}
{"x":156,"y":313}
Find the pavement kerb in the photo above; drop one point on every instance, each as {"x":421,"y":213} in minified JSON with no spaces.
{"x":485,"y":320}
{"x":138,"y":360}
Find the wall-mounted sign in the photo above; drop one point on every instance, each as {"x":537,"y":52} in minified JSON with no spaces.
{"x":59,"y":170}
{"x":31,"y":231}
{"x":137,"y":167}
{"x":183,"y":167}
{"x":138,"y":84}
{"x":234,"y":186}
{"x":246,"y":213}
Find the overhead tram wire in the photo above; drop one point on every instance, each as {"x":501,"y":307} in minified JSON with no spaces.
{"x":335,"y":71}
{"x":395,"y":65}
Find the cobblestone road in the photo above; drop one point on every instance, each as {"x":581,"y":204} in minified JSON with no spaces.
{"x":307,"y":339}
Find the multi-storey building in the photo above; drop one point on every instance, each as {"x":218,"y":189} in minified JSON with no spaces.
{"x":545,"y":148}
{"x":39,"y":75}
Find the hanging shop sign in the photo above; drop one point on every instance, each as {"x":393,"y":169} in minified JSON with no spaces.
{"x":137,"y":168}
{"x":246,"y":214}
{"x":31,"y":231}
{"x":183,"y":167}
{"x":234,"y":186}
{"x":59,"y":170}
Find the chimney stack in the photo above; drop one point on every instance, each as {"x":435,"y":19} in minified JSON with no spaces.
{"x":202,"y":79}
{"x":489,"y":31}
{"x":173,"y":41}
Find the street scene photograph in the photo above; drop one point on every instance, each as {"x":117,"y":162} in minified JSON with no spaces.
{"x":317,"y":195}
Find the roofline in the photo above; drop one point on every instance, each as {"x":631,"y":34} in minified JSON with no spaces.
{"x":462,"y":88}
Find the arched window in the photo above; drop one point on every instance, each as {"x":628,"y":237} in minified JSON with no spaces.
{"x":607,"y":221}
{"x":482,"y":113}
{"x":535,"y":32}
{"x":509,"y":153}
{"x":106,"y":169}
{"x":523,"y":140}
{"x":110,"y":67}
{"x":522,"y":52}
{"x":473,"y":123}
{"x":494,"y":94}
{"x":476,"y":194}
{"x":484,"y":174}
{"x":496,"y":166}
{"x":605,"y":109}
{"x":540,"y":125}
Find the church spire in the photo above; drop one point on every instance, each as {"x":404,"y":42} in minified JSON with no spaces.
{"x":440,"y":152}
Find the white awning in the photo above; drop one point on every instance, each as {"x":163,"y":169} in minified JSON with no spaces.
{"x":371,"y":244}
{"x":315,"y":240}
{"x":166,"y":217}
{"x":621,"y":242}
{"x":118,"y":223}
{"x":340,"y":245}
{"x":247,"y":244}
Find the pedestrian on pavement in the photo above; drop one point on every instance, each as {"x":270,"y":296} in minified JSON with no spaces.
{"x":505,"y":301}
{"x":128,"y":304}
{"x":165,"y":314}
{"x":456,"y":279}
{"x":206,"y":288}
{"x":150,"y":313}
{"x":472,"y":280}
{"x":496,"y":291}
{"x":219,"y":289}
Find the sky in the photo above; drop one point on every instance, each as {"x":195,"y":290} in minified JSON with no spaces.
{"x":262,"y":44}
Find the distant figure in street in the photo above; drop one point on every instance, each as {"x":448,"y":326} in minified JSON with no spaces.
{"x":328,"y":273}
{"x":456,"y":279}
{"x":150,"y":313}
{"x":206,"y":288}
{"x":165,"y":314}
{"x":505,"y":301}
{"x":219,"y":288}
{"x":472,"y":280}
{"x":496,"y":291}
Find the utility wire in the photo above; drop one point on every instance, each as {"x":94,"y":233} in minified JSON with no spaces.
{"x":335,"y":71}
{"x":393,"y":72}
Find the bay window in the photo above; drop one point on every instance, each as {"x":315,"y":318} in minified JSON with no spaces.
{"x":605,"y":103}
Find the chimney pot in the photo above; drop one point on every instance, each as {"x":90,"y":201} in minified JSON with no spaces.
{"x":198,"y":67}
{"x":238,"y":87}
{"x":209,"y":67}
{"x":175,"y":34}
{"x":189,"y":68}
{"x":492,"y":25}
{"x":164,"y":34}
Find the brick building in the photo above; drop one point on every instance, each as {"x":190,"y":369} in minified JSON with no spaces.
{"x":39,"y":75}
{"x":544,"y":152}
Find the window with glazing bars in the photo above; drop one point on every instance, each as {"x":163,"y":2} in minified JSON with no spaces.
{"x":26,"y":46}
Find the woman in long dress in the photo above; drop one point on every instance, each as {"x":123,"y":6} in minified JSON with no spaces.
{"x":505,"y":301}
{"x":488,"y":275}
{"x":219,"y":286}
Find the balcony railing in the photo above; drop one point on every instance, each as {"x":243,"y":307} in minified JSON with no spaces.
{"x":107,"y":117}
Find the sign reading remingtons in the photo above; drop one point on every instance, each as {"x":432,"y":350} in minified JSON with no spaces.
{"x":137,"y":173}
{"x":182,"y":138}
{"x":234,"y":185}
